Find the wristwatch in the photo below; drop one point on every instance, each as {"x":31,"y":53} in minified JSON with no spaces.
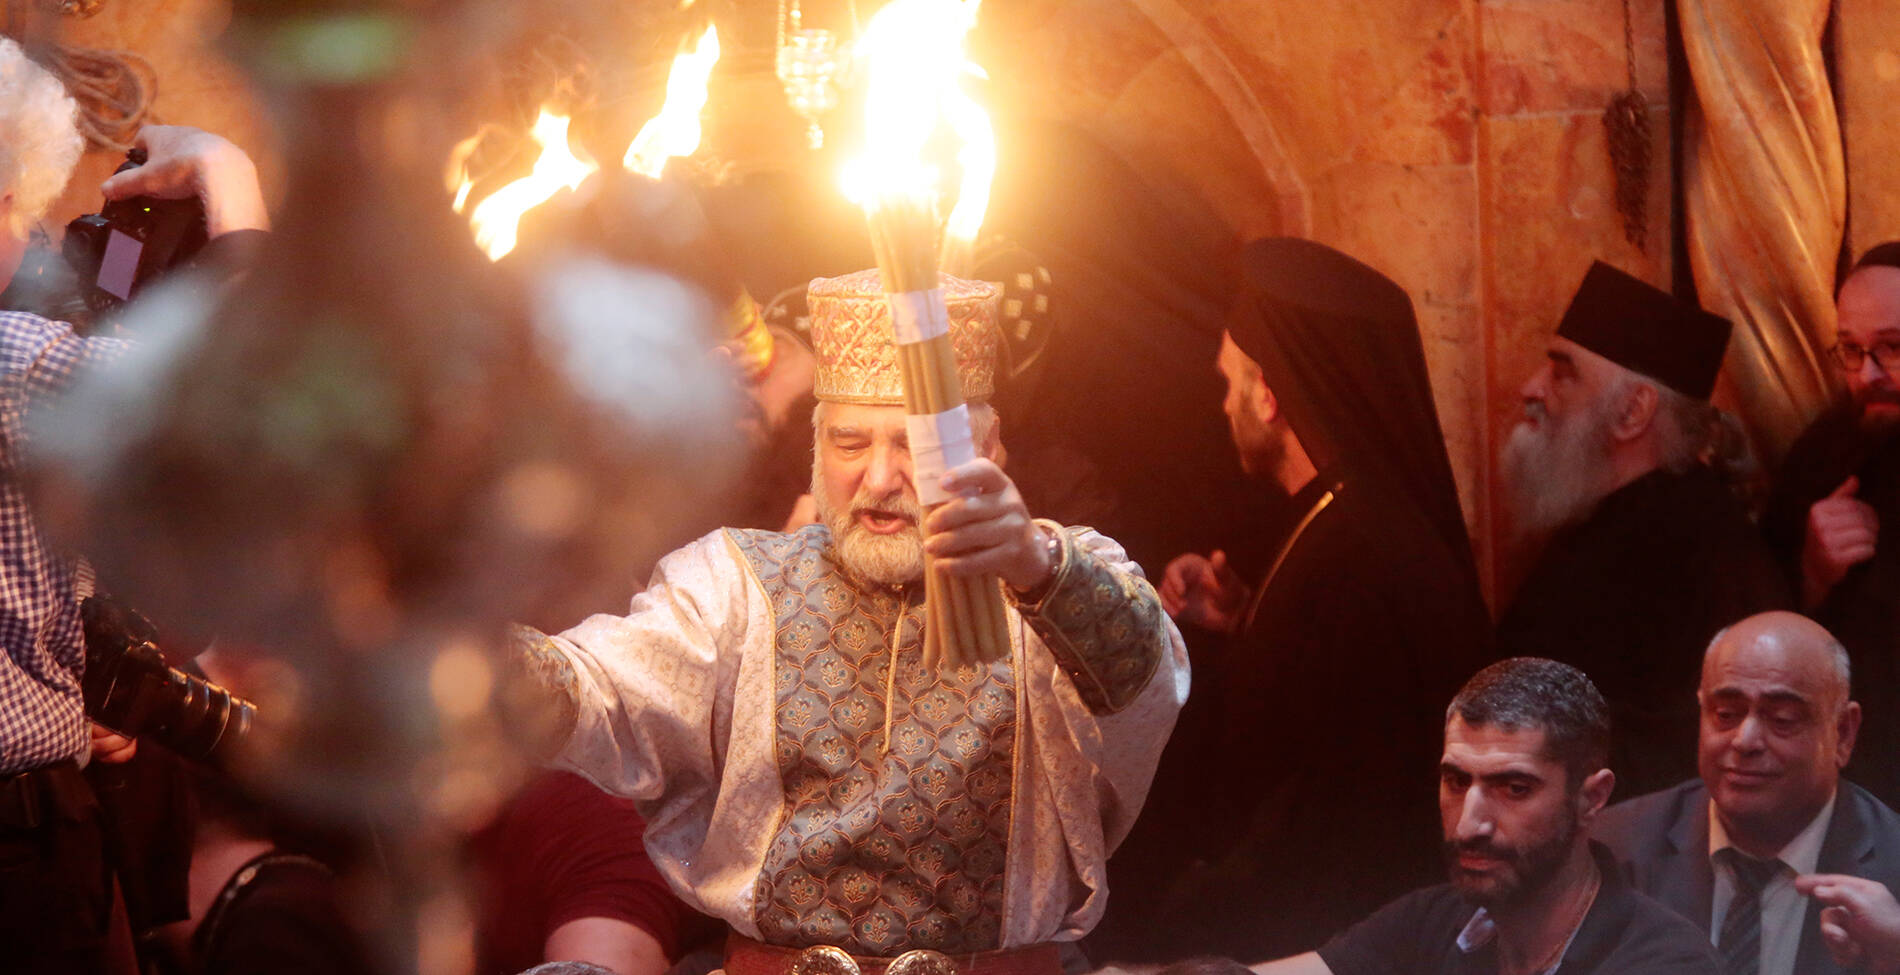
{"x":1053,"y":542}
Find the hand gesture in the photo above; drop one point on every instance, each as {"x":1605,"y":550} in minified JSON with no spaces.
{"x":1860,"y":921}
{"x":1841,"y":534}
{"x":182,"y":162}
{"x":1204,"y":592}
{"x":987,"y":530}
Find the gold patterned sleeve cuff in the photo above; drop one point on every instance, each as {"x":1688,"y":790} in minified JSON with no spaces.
{"x":1101,"y":623}
{"x":541,"y":695}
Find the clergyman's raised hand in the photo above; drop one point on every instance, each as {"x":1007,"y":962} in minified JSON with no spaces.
{"x":1841,"y":534}
{"x":1204,"y":591}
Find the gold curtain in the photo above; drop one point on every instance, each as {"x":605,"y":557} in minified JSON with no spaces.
{"x":1765,"y":189}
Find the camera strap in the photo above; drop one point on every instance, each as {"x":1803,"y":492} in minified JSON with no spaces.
{"x":38,"y":796}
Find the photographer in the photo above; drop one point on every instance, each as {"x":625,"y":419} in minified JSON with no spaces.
{"x":55,"y":887}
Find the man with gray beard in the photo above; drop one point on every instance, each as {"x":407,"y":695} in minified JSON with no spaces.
{"x":805,"y":774}
{"x":1645,"y":552}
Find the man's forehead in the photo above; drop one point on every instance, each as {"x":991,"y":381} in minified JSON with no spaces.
{"x":1491,"y":748}
{"x":1766,"y":668}
{"x":1870,"y":304}
{"x":862,"y":416}
{"x":1586,"y":361}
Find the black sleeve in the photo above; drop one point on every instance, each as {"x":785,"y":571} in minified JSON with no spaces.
{"x":1827,"y":452}
{"x":230,"y":254}
{"x":1397,"y":939}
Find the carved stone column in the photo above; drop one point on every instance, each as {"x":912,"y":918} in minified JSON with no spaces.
{"x":1766,"y":194}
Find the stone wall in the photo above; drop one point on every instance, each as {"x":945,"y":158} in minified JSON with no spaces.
{"x":1547,"y":70}
{"x":1454,"y":144}
{"x":1457,"y":145}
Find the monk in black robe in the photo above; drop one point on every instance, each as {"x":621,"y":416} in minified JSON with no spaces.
{"x":1834,"y":517}
{"x":1648,"y":554}
{"x":1325,"y":707}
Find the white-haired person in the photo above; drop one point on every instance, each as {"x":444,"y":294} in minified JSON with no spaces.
{"x":55,"y":891}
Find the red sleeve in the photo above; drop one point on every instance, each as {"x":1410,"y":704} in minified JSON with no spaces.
{"x":584,"y":855}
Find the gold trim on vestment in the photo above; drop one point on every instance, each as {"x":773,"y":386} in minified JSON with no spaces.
{"x":1286,"y":549}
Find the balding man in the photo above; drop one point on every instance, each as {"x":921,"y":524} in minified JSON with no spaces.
{"x":1836,"y":508}
{"x":1725,"y":849}
{"x":1644,"y":552}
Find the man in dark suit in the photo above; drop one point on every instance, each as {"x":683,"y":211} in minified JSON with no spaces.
{"x":1725,"y":849}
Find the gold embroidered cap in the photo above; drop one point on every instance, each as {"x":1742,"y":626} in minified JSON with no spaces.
{"x":857,"y":351}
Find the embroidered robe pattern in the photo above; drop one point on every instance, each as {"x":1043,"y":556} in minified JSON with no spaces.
{"x":878,"y":851}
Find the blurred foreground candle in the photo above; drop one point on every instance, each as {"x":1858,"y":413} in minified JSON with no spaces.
{"x":378,"y":449}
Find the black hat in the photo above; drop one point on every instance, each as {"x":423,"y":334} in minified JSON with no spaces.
{"x":1338,"y":344}
{"x":1880,"y":255}
{"x":1647,"y":330}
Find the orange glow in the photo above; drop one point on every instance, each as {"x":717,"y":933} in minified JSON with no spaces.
{"x":676,"y":130}
{"x":457,"y":175}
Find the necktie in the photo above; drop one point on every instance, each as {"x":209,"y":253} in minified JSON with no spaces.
{"x":1740,"y":944}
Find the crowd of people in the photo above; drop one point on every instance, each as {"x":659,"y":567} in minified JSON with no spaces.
{"x":1675,"y":750}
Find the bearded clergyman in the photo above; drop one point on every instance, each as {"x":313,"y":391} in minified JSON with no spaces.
{"x":1646,"y":551}
{"x":1834,"y":516}
{"x":1370,"y":608}
{"x":806,"y":775}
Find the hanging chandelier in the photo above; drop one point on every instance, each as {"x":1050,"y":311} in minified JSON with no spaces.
{"x":809,"y":62}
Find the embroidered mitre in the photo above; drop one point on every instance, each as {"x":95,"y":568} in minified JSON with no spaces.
{"x":857,"y":350}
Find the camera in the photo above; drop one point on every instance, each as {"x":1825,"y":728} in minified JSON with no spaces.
{"x":122,"y":248}
{"x":129,"y":688}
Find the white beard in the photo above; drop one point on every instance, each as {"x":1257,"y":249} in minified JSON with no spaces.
{"x":890,"y":560}
{"x":1557,"y":472}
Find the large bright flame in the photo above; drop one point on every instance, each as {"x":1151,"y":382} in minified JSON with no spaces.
{"x":497,"y":218}
{"x":914,"y":62}
{"x":675,"y":131}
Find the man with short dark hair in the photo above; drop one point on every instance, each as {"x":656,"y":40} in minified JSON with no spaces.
{"x":1522,"y":778}
{"x":1725,"y":849}
{"x":1644,"y":550}
{"x":1836,"y":506}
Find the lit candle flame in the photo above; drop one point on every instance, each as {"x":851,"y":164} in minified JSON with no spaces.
{"x":497,"y":218}
{"x":914,"y":61}
{"x":676,"y":130}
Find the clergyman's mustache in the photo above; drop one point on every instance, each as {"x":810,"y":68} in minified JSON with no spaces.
{"x":893,"y":507}
{"x":1479,"y":846}
{"x":1883,"y":394}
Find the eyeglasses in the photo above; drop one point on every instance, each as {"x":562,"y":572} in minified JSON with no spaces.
{"x":1852,"y":357}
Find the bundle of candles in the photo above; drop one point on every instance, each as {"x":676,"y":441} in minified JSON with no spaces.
{"x":964,"y":623}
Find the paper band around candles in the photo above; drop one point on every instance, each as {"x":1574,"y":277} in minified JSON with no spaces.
{"x":919,"y":316}
{"x":938,"y":442}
